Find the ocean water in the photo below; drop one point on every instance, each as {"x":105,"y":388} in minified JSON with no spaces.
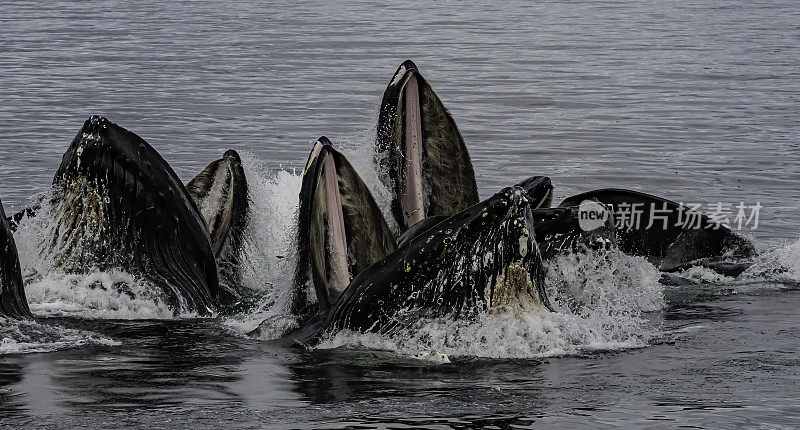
{"x":693,"y":101}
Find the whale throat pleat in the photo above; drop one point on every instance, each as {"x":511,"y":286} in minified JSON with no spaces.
{"x":338,"y":273}
{"x":412,"y":199}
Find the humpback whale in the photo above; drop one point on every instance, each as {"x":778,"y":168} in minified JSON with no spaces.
{"x":669,"y":243}
{"x":12,"y":294}
{"x":420,"y":152}
{"x":341,"y":230}
{"x":220,"y":193}
{"x":118,"y":204}
{"x":483,"y":259}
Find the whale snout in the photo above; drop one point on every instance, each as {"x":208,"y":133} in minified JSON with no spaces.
{"x":97,"y":121}
{"x":403,"y":73}
{"x":517,"y":195}
{"x":540,"y":190}
{"x":409,"y":66}
{"x":232,"y":155}
{"x":94,"y":125}
{"x":518,"y":224}
{"x":512,"y":203}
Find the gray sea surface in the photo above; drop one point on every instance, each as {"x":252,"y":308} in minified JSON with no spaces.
{"x":695,"y":101}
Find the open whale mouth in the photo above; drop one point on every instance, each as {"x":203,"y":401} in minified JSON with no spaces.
{"x":412,"y":194}
{"x":327,"y":229}
{"x":335,"y":237}
{"x":421,"y":153}
{"x":341,"y":229}
{"x":118,"y":205}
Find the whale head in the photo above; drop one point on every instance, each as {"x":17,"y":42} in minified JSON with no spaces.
{"x":482,"y":260}
{"x":341,"y":230}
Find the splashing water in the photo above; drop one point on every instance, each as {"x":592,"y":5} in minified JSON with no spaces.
{"x":780,"y":264}
{"x":703,"y":275}
{"x":112,"y":294}
{"x":268,"y":254}
{"x":360,"y":151}
{"x":97,"y":294}
{"x":599,"y":299}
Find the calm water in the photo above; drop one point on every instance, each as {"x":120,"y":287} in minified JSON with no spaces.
{"x":694,"y":101}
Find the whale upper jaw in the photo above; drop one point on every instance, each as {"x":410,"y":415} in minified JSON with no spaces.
{"x":220,"y":193}
{"x":403,"y":72}
{"x":540,"y":190}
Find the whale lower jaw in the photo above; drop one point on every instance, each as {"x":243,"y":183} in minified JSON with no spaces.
{"x":514,"y":293}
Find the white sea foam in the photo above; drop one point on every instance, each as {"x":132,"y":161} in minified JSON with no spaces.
{"x":111,"y":294}
{"x":703,"y":275}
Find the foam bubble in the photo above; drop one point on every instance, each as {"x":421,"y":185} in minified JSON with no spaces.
{"x":703,"y":275}
{"x":604,"y":280}
{"x":111,"y":294}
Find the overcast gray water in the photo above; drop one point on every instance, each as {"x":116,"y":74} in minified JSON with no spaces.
{"x":695,"y":101}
